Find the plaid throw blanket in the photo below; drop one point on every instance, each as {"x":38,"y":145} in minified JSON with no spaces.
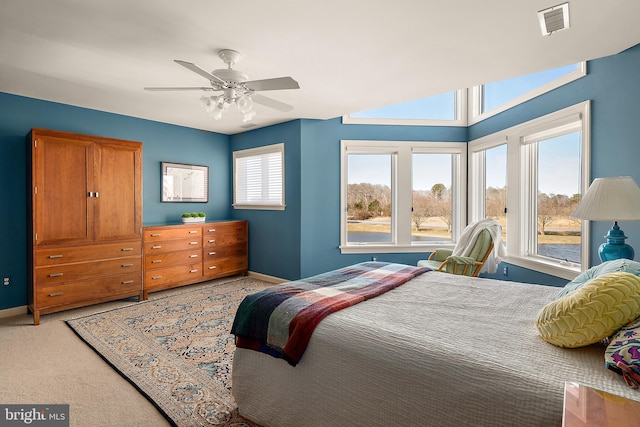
{"x":280,"y":320}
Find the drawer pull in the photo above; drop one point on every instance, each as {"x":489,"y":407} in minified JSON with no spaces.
{"x":156,"y":277}
{"x":55,"y":274}
{"x":156,"y":235}
{"x":212,"y":253}
{"x":127,"y":249}
{"x":193,"y":231}
{"x":127,"y":282}
{"x":54,"y":256}
{"x":239,"y":228}
{"x":193,"y":271}
{"x":193,"y":256}
{"x":127,"y":265}
{"x":156,"y":247}
{"x":213,"y":267}
{"x":155,"y":261}
{"x":56,"y":294}
{"x":212,"y":241}
{"x":193,"y":243}
{"x":211,"y":230}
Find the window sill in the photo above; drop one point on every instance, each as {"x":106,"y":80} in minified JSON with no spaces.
{"x":543,"y":266}
{"x":389,"y":249}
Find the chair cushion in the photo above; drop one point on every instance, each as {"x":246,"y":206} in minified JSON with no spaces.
{"x":593,"y":312}
{"x":622,"y":264}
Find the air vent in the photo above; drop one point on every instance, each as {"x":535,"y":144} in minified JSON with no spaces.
{"x":554,"y":19}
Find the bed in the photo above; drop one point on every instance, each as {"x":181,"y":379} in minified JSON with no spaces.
{"x":438,"y":350}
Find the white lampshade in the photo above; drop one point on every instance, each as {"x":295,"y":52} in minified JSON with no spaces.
{"x":609,"y":199}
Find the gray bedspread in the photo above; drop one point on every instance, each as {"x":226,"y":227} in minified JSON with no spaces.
{"x":441,"y":350}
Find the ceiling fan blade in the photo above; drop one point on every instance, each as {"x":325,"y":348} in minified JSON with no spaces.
{"x":198,"y":70}
{"x":270,"y":102}
{"x":177,"y":88}
{"x":278,"y":83}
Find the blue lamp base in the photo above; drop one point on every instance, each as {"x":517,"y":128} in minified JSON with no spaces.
{"x":615,"y":248}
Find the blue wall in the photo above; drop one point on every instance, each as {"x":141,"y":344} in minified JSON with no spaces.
{"x":303,"y":239}
{"x":161,"y":142}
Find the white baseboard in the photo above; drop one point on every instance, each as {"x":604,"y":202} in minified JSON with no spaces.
{"x":266,"y":277}
{"x":13,"y":311}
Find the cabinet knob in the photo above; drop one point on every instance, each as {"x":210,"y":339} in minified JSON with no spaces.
{"x":193,"y":271}
{"x":156,"y":234}
{"x":54,"y":256}
{"x":213,"y":267}
{"x":193,"y":231}
{"x":127,"y":282}
{"x":212,"y":253}
{"x":56,"y":294}
{"x":211,"y":230}
{"x":155,"y":261}
{"x":55,"y":274}
{"x":127,"y":249}
{"x":156,"y":277}
{"x":212,"y":241}
{"x":156,"y":247}
{"x":193,"y":256}
{"x":193,"y":243}
{"x":127,"y":265}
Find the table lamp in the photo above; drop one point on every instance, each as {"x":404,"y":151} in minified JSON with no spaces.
{"x":611,"y":199}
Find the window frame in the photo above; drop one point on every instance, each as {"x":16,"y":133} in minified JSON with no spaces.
{"x":520,"y":181}
{"x":476,"y":115}
{"x":460,"y":116}
{"x":402,"y":199}
{"x":259,"y":151}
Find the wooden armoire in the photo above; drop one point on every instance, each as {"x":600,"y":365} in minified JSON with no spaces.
{"x":86,"y":227}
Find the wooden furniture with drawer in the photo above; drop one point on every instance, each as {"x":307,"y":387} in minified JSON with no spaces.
{"x":86,"y":208}
{"x":182,"y":254}
{"x":225,"y":249}
{"x":172,"y":256}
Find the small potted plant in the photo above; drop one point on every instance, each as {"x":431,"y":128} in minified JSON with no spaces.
{"x":188,"y":217}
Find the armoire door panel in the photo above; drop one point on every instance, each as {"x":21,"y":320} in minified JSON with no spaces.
{"x":62,"y":207}
{"x":117,"y":186}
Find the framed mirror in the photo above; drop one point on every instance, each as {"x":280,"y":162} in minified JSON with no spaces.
{"x":184,"y":183}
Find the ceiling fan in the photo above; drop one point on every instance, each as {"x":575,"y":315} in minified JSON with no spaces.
{"x":235,"y":87}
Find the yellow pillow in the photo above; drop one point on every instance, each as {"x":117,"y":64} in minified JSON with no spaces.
{"x":593,"y":312}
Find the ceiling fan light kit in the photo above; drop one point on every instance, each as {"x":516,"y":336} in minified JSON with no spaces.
{"x":235,"y":87}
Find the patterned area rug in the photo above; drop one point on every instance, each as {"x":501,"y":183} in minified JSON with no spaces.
{"x":176,"y":349}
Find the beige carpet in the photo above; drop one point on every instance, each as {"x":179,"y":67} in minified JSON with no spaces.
{"x":49,"y":364}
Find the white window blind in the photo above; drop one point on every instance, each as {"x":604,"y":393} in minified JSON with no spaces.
{"x":259,"y":178}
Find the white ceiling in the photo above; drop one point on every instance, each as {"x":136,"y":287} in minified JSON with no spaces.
{"x":347,"y":55}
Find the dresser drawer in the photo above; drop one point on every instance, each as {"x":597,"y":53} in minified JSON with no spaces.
{"x":163,"y":260}
{"x":65,"y":255}
{"x":225,"y":266}
{"x":237,"y":250}
{"x":152,"y":248}
{"x":220,"y":239}
{"x":162,"y":277}
{"x":239,"y":227}
{"x":88,"y":290}
{"x":171,"y":233}
{"x":47,"y":276}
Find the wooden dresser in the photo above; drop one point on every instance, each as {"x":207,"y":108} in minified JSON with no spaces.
{"x":86,"y":228}
{"x":182,"y":254}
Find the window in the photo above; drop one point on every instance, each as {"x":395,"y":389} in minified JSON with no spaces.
{"x":259,"y":178}
{"x":548,"y":170}
{"x":447,"y":109}
{"x":489,"y":200}
{"x":492,"y":98}
{"x":400,"y":196}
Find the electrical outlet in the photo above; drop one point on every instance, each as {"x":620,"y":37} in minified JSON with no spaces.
{"x":6,"y":281}
{"x":505,"y":271}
